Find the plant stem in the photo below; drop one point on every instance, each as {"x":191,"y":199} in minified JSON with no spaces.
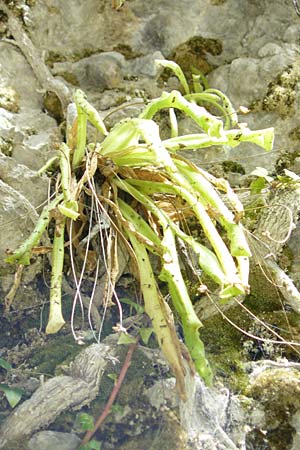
{"x":23,"y":253}
{"x":56,"y":320}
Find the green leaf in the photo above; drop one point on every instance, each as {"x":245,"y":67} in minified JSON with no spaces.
{"x":5,"y":364}
{"x":113,"y":376}
{"x":125,"y":338}
{"x":13,"y":395}
{"x":84,"y":422}
{"x":258,"y":185}
{"x":139,"y":309}
{"x":145,"y":334}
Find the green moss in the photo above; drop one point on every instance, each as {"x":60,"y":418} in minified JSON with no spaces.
{"x":223,"y":345}
{"x":279,"y":391}
{"x":126,"y":51}
{"x":53,"y":105}
{"x":286,"y":160}
{"x":140,"y":370}
{"x":54,"y":57}
{"x":69,"y":77}
{"x":192,"y":55}
{"x":59,"y":349}
{"x":233,"y":166}
{"x":264,"y":294}
{"x":168,"y":435}
{"x":6,"y":147}
{"x":228,"y":348}
{"x":281,"y":93}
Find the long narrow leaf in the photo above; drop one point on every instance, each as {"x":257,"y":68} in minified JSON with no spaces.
{"x":176,"y":69}
{"x":190,"y":322}
{"x":160,"y":315}
{"x":209,"y":123}
{"x":232,"y":138}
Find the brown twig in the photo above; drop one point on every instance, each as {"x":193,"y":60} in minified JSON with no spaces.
{"x":89,"y":434}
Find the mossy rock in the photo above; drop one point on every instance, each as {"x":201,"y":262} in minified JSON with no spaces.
{"x":279,"y":391}
{"x":281,"y":94}
{"x":224,"y":347}
{"x":60,"y":349}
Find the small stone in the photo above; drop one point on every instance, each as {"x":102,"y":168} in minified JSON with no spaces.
{"x":53,"y":440}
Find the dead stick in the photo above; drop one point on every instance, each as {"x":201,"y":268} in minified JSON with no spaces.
{"x":113,"y":395}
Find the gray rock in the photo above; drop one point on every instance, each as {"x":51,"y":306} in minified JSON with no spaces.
{"x":6,"y":126}
{"x":53,"y":440}
{"x":17,"y":217}
{"x":144,"y":65}
{"x":259,"y":72}
{"x":28,"y":136}
{"x":17,"y":73}
{"x":34,"y":151}
{"x":162,"y":392}
{"x":101,"y":71}
{"x":149,"y":27}
{"x":22,"y":179}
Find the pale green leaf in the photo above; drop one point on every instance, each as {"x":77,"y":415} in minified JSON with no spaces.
{"x":125,"y":338}
{"x":139,"y":309}
{"x":112,"y":376}
{"x":145,"y":334}
{"x":84,"y":422}
{"x":5,"y":364}
{"x":257,"y":185}
{"x":177,"y":71}
{"x":13,"y":395}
